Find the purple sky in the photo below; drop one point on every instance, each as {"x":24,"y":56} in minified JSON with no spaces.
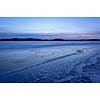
{"x":50,"y":27}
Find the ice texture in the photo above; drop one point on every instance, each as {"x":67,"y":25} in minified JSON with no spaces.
{"x":50,"y":61}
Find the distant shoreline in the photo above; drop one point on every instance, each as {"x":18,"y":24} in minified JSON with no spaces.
{"x":32,"y":39}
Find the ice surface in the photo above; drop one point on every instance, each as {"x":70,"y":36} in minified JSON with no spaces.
{"x":50,"y":61}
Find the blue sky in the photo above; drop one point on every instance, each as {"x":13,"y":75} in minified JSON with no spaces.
{"x":72,"y":27}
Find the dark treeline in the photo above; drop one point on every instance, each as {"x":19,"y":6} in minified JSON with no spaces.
{"x":32,"y":39}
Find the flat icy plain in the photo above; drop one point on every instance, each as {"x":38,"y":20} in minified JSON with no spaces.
{"x":50,"y":61}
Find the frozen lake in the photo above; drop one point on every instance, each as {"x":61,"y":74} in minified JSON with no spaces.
{"x":50,"y":61}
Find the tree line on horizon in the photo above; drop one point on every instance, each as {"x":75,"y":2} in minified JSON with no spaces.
{"x":56,"y":39}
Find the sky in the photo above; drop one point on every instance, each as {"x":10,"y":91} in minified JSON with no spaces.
{"x":60,"y":27}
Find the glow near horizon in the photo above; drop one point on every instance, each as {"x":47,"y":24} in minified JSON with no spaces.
{"x":51,"y":25}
